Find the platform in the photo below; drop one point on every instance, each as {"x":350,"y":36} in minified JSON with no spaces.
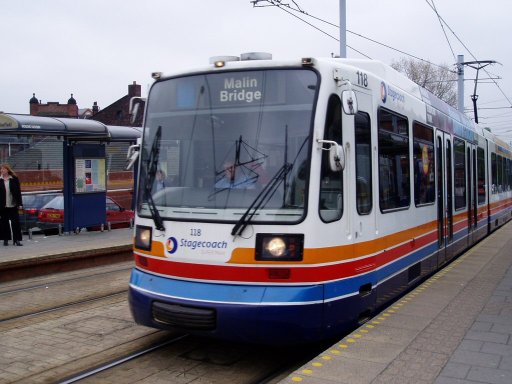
{"x":454,"y":328}
{"x":42,"y":250}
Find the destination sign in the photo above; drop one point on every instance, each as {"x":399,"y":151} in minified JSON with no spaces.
{"x":245,"y":89}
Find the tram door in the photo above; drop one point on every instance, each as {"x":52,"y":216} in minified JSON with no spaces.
{"x":364,"y":214}
{"x":472,"y":190}
{"x":360,"y":175}
{"x":444,"y":194}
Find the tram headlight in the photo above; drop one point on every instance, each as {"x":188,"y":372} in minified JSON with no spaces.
{"x":279,"y":247}
{"x":276,"y":247}
{"x":143,"y":237}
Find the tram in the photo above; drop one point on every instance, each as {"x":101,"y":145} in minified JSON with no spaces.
{"x":301,"y":196}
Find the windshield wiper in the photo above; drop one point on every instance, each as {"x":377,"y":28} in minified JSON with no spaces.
{"x":262,"y":199}
{"x":151,"y":167}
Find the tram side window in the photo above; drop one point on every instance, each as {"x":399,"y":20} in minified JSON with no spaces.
{"x":500,"y":174}
{"x":394,"y":169}
{"x":494,"y":168}
{"x":506,"y":181}
{"x":505,"y":174}
{"x":364,"y":195}
{"x":331,"y":183}
{"x":480,"y":155}
{"x":423,"y":152}
{"x":509,"y":173}
{"x":459,"y":148}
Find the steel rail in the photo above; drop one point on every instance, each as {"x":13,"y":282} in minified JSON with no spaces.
{"x":90,"y":372}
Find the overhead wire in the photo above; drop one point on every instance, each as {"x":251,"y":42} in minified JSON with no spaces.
{"x":282,"y":7}
{"x":279,"y":4}
{"x":444,"y":31}
{"x":467,"y":49}
{"x":287,"y":8}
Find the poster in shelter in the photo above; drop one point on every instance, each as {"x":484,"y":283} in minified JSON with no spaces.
{"x":90,"y":175}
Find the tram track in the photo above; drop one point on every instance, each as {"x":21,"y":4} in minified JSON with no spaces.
{"x":35,"y":297}
{"x":185,"y":358}
{"x":95,"y":370}
{"x":104,"y":345}
{"x":81,"y":321}
{"x":46,"y":281}
{"x":62,"y":307}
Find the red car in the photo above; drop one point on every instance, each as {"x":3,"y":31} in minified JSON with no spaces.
{"x":32,"y":203}
{"x":52,"y":214}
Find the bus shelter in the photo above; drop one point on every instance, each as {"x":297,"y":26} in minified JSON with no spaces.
{"x":82,"y":159}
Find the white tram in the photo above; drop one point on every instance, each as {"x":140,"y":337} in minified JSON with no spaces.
{"x":300,"y":196}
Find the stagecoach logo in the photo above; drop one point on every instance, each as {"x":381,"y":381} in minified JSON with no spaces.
{"x":383,"y":92}
{"x":245,"y":89}
{"x":387,"y":92}
{"x":171,"y":245}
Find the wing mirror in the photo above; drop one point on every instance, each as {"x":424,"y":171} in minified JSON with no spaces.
{"x":336,"y":155}
{"x":349,"y":101}
{"x":132,"y":155}
{"x":136,"y":103}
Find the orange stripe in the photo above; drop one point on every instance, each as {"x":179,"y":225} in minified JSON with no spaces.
{"x":343,"y":252}
{"x":157,"y":249}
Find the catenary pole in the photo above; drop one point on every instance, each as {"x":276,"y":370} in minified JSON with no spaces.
{"x":478,"y":65}
{"x":460,"y":83}
{"x":343,"y":28}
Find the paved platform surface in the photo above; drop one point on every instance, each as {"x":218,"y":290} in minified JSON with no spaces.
{"x":43,"y":248}
{"x":455,"y":328}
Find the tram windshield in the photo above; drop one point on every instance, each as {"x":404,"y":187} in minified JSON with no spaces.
{"x":219,"y":145}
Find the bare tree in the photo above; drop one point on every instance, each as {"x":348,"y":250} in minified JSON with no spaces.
{"x":439,"y":80}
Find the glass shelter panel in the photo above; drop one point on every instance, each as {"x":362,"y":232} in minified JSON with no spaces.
{"x":37,"y":160}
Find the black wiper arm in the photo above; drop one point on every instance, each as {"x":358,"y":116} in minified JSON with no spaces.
{"x":263,"y":197}
{"x":151,"y":167}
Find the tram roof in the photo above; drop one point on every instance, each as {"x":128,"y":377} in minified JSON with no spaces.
{"x":73,"y":128}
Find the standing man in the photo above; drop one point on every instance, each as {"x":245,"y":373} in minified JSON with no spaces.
{"x":10,"y":202}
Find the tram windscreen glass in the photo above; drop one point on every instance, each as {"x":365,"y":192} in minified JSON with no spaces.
{"x":225,"y":136}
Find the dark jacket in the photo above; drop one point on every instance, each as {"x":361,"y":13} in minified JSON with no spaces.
{"x":14,"y":186}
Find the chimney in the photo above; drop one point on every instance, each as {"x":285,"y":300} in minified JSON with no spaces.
{"x":134,"y":89}
{"x":95,"y":108}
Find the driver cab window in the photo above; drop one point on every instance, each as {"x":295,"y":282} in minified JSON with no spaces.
{"x":331,"y":183}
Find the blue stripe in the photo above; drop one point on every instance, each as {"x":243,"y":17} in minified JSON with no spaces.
{"x":270,"y":295}
{"x":500,"y":214}
{"x":225,"y":293}
{"x":406,"y":262}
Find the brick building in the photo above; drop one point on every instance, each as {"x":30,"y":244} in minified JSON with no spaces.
{"x":53,"y":108}
{"x":116,"y":113}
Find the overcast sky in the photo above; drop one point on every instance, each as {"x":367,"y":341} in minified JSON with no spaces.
{"x":95,"y":48}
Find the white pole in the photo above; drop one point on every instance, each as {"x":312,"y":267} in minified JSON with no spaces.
{"x":343,"y":28}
